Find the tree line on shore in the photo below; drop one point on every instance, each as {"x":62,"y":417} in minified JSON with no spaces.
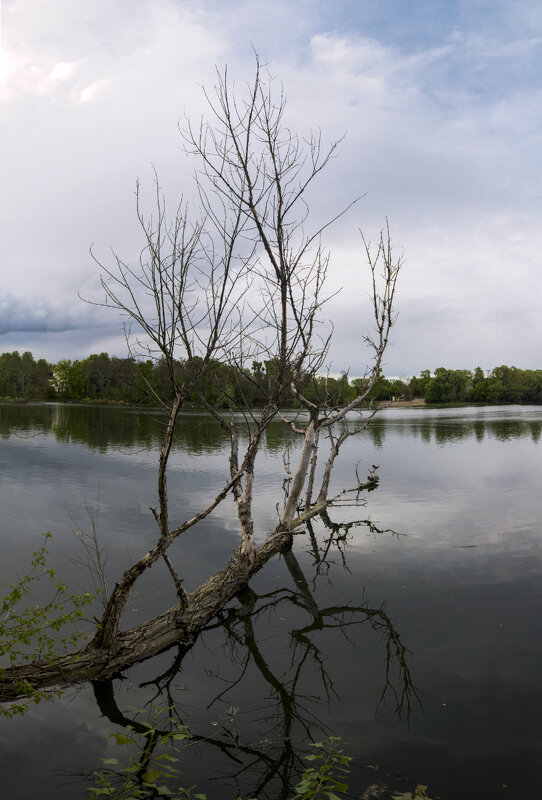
{"x":104,"y":378}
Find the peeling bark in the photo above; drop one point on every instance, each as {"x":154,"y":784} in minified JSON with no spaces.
{"x":294,"y":496}
{"x":138,"y":644}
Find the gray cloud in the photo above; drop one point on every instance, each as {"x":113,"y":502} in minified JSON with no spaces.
{"x":444,"y":127}
{"x":18,"y":315}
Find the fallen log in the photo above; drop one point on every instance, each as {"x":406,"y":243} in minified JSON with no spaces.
{"x":148,"y":639}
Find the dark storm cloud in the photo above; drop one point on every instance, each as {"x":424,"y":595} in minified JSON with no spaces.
{"x":21,"y":316}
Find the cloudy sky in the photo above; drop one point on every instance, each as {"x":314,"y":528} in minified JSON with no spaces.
{"x":441,"y":102}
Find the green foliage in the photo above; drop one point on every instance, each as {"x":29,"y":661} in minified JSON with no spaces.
{"x":32,"y":632}
{"x":151,"y":769}
{"x":449,"y":386}
{"x":104,"y":378}
{"x":151,"y":761}
{"x":23,"y":378}
{"x":154,"y":750}
{"x":333,"y":391}
{"x":501,"y":385}
{"x":323,"y":779}
{"x":386,"y":389}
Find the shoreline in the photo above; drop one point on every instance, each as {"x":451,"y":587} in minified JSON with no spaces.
{"x":380,"y":405}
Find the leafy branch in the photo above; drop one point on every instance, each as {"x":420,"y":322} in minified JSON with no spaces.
{"x":36,"y":631}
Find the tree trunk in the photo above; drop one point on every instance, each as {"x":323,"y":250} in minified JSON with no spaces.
{"x":151,"y":637}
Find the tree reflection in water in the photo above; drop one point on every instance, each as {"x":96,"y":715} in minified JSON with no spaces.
{"x":288,"y":719}
{"x":337,"y":540}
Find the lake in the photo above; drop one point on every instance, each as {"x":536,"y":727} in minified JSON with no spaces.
{"x":410,"y":626}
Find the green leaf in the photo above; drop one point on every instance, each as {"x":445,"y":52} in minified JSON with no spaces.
{"x":121,"y":738}
{"x":151,"y":775}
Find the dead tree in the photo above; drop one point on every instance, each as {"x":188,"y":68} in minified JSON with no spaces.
{"x":271,"y":764}
{"x":243,"y":280}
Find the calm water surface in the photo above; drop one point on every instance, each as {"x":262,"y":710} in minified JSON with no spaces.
{"x":411,"y":626}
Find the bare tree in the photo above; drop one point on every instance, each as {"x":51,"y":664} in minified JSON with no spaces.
{"x":269,"y":764}
{"x":243,"y":280}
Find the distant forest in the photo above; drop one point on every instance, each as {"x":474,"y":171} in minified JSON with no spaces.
{"x":104,"y":378}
